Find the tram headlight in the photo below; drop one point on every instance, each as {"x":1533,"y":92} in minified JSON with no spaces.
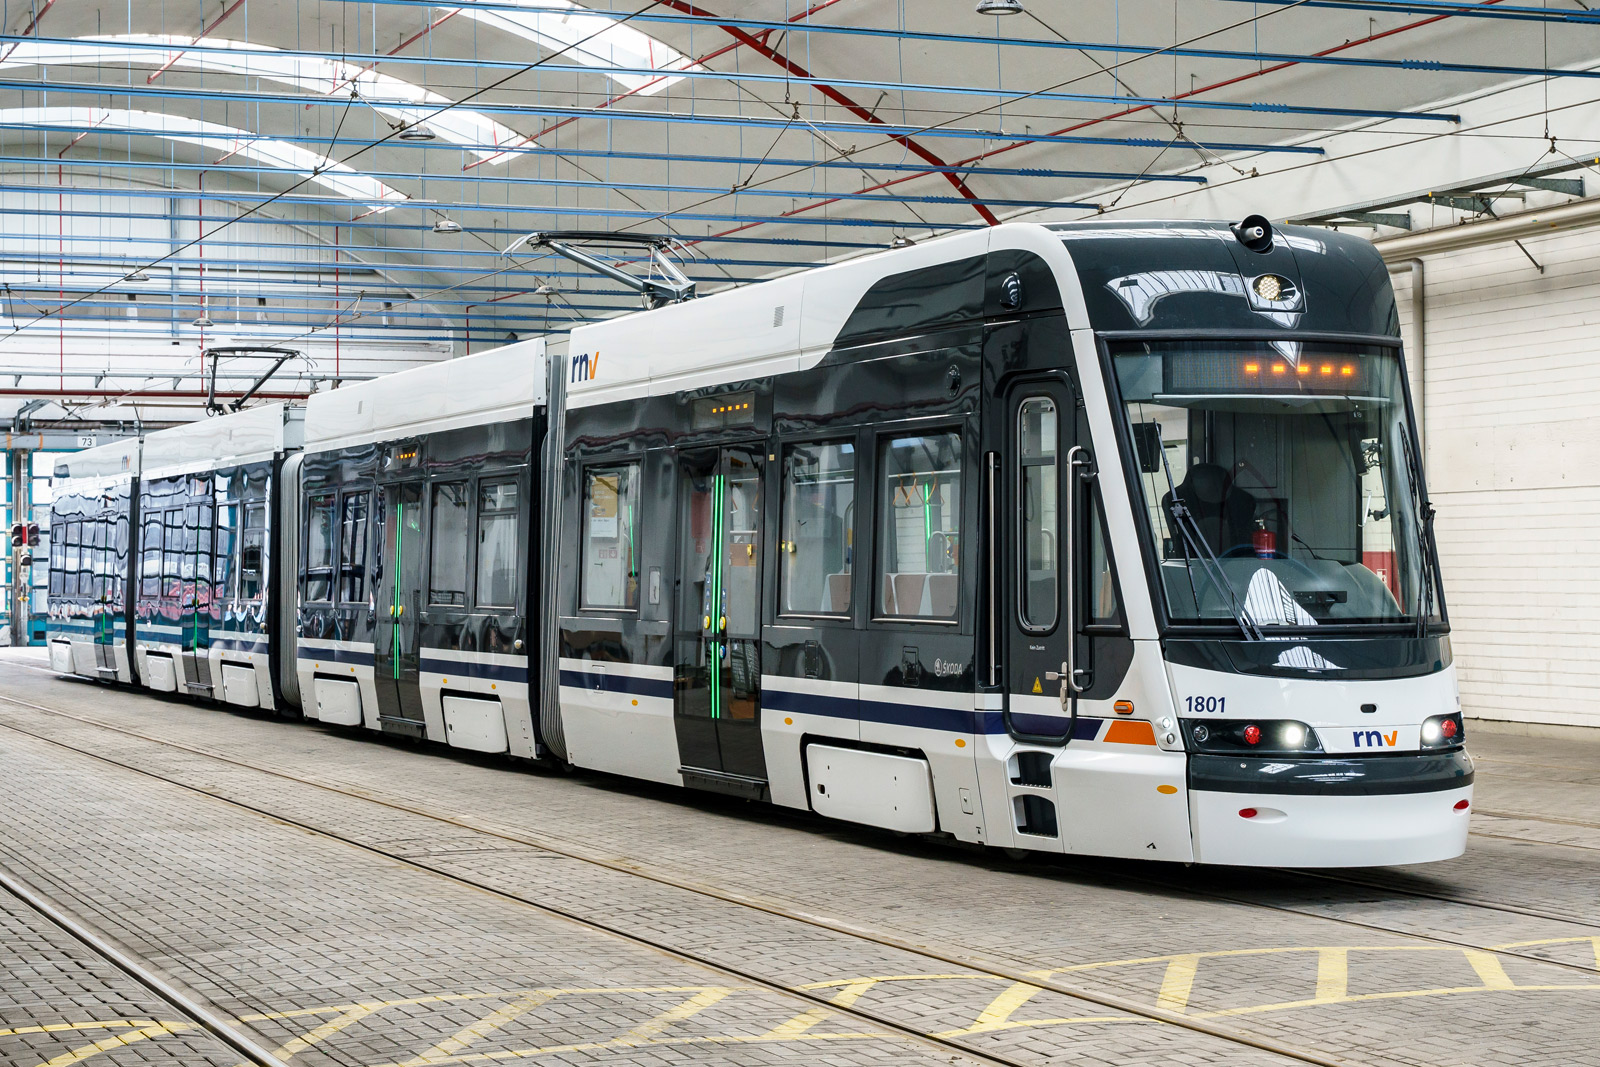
{"x":1444,"y":731}
{"x":1270,"y":737}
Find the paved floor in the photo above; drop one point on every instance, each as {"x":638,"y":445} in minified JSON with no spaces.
{"x":389,"y":905}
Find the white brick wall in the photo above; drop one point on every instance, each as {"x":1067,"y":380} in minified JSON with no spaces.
{"x":1513,"y":449}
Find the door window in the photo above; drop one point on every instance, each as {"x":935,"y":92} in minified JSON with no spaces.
{"x":74,"y":538}
{"x":919,"y":535}
{"x":353,"y":549}
{"x":150,"y":565}
{"x":497,"y":545}
{"x":816,"y":561}
{"x":447,"y":582}
{"x":252,"y":552}
{"x":610,"y":532}
{"x":172,"y":555}
{"x":1039,"y":528}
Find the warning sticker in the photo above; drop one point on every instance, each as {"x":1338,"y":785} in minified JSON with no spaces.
{"x":1037,"y":688}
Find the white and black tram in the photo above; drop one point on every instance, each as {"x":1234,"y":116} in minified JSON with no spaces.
{"x":1103,"y":538}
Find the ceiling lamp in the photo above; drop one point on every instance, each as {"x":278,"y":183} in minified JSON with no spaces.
{"x":900,"y":240}
{"x":447,"y":226}
{"x":417,"y":132}
{"x":999,"y":7}
{"x":203,"y":321}
{"x":545,"y":290}
{"x":136,"y":276}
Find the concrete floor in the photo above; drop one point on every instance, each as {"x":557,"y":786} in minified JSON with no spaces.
{"x":354,"y":902}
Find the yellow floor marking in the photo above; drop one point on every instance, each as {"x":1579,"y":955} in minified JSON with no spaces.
{"x":480,"y":1029}
{"x":1487,"y":964}
{"x":691,"y":1007}
{"x":1178,"y":982}
{"x":105,"y":1024}
{"x":846,"y":997}
{"x":1015,"y":1024}
{"x":1333,"y":973}
{"x":351,"y":1015}
{"x":998,"y":1012}
{"x":896,"y":978}
{"x":83,"y":1052}
{"x":1400,"y":994}
{"x":451,"y":998}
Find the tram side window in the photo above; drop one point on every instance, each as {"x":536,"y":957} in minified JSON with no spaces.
{"x":74,"y":538}
{"x":447,"y":564}
{"x":252,"y":552}
{"x":919,"y":532}
{"x":1103,"y":605}
{"x":119,"y":560}
{"x":319,"y":549}
{"x":819,"y":504}
{"x":58,"y":559}
{"x":172,"y":555}
{"x":1038,"y":485}
{"x":497,"y":545}
{"x":101,"y":566}
{"x":150,"y":557}
{"x":610,"y":527}
{"x":353,"y":547}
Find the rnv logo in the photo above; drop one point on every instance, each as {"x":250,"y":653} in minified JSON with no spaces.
{"x":1374,"y":738}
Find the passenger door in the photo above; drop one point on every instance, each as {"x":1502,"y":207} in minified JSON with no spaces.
{"x":399,"y":607}
{"x":1043,"y":497}
{"x":717,"y":669}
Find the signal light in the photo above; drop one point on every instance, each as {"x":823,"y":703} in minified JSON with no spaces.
{"x":1347,"y":370}
{"x":1304,"y":368}
{"x":1327,"y":369}
{"x":1252,"y":368}
{"x":1448,"y":728}
{"x":1252,"y":734}
{"x":1248,"y":813}
{"x":1463,"y":805}
{"x":18,"y":534}
{"x":1278,"y":368}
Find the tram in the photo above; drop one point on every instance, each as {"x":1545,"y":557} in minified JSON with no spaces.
{"x":1099,"y":538}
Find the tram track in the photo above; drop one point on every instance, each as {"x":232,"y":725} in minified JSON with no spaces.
{"x":851,"y":930}
{"x":194,"y":1012}
{"x":813,"y":1000}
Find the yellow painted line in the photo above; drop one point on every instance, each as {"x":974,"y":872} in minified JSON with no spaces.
{"x":1401,"y":994}
{"x":83,"y":1052}
{"x":1178,"y":983}
{"x":696,"y":1004}
{"x":1488,"y":966}
{"x":1017,"y":1024}
{"x":453,"y":998}
{"x":1333,"y":973}
{"x":869,"y":980}
{"x":326,"y":1030}
{"x":102,"y":1024}
{"x":482,"y":1028}
{"x":999,"y":1010}
{"x":798,"y":1025}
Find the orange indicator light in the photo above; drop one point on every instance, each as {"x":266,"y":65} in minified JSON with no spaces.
{"x":1327,"y":368}
{"x":1347,"y":370}
{"x":1251,"y":368}
{"x":1304,"y":368}
{"x":1279,"y":368}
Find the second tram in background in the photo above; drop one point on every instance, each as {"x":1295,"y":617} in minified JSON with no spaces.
{"x":1106,"y":539}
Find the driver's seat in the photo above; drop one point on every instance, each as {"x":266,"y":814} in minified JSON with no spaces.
{"x":1222,"y":511}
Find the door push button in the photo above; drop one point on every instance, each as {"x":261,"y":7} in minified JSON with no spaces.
{"x":910,"y":666}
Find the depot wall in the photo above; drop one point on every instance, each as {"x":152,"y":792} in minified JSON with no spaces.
{"x":1511,"y":390}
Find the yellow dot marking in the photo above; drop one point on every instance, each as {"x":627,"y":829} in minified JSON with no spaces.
{"x":491,"y":685}
{"x":635,"y":703}
{"x":444,"y":681}
{"x":788,"y":721}
{"x":1167,"y":789}
{"x":960,"y":743}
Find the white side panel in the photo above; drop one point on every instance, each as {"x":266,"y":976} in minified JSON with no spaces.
{"x":239,"y":685}
{"x":1122,"y":800}
{"x":792,"y":708}
{"x":338,"y":702}
{"x":61,"y":657}
{"x":618,"y":717}
{"x":892,"y":792}
{"x":474,"y":723}
{"x":84,"y":659}
{"x":159,"y":673}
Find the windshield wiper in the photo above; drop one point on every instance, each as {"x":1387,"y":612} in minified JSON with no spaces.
{"x":1196,"y":547}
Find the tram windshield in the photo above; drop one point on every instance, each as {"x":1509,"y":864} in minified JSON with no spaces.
{"x":1279,"y":483}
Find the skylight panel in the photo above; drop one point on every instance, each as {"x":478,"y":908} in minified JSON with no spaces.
{"x":336,"y":177}
{"x":395,"y":98}
{"x":620,"y":51}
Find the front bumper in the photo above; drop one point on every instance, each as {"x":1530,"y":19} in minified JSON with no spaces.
{"x":1330,"y":812}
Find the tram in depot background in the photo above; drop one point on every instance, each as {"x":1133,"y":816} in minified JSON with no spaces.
{"x":1107,"y":539}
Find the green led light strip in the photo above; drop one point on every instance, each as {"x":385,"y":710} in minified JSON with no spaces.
{"x":715,"y":647}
